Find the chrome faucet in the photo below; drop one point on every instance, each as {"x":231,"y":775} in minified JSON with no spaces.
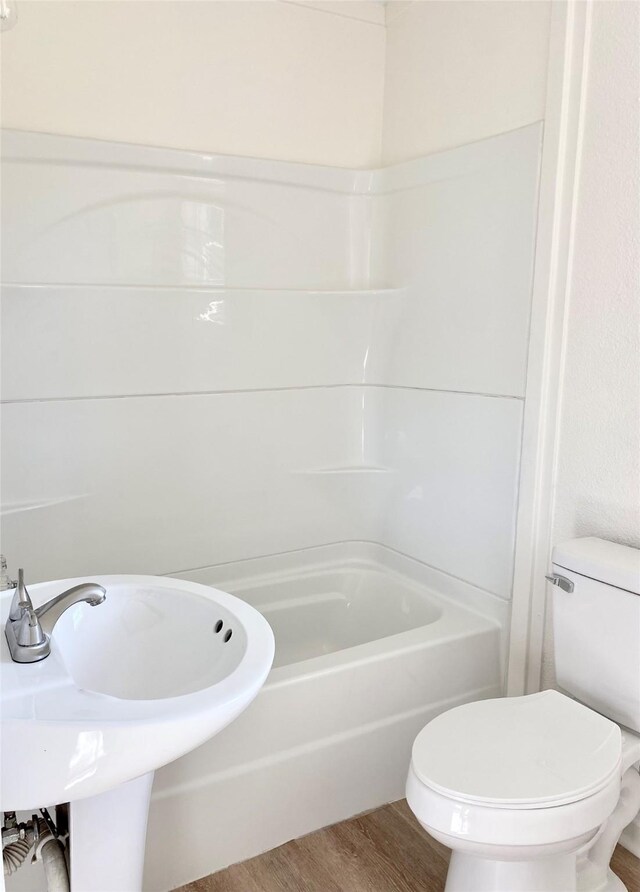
{"x":28,"y":630}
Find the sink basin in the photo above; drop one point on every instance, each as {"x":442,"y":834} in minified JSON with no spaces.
{"x":131,"y":684}
{"x":164,"y":641}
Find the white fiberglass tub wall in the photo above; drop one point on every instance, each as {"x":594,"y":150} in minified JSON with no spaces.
{"x":217,"y":372}
{"x":231,"y":358}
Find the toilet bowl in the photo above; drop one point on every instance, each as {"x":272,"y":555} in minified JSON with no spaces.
{"x":521,"y":789}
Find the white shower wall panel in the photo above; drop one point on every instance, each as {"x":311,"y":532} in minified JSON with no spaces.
{"x":123,"y":340}
{"x":82,"y":211}
{"x":162,"y":484}
{"x":212,"y":376}
{"x":166,"y":483}
{"x":456,"y":460}
{"x":456,"y":231}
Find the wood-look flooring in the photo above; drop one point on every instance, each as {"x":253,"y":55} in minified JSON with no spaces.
{"x":383,"y":851}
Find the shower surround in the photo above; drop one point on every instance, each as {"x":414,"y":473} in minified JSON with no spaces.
{"x":299,"y":383}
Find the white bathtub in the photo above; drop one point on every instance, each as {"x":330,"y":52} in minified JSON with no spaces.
{"x":370,"y":645}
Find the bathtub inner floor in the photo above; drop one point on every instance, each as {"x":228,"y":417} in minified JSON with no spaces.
{"x":327,"y":610}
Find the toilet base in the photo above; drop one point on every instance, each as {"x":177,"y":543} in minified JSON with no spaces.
{"x":470,"y":873}
{"x":614,"y":884}
{"x":609,"y":882}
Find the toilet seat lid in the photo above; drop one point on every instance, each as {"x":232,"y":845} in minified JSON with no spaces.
{"x":519,"y":752}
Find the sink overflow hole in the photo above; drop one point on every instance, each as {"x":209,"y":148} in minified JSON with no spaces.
{"x":218,"y":626}
{"x":227,"y":637}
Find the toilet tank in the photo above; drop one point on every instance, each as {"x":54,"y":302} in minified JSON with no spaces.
{"x":597,"y":626}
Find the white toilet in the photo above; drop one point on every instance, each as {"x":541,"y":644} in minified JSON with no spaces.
{"x":532,"y":793}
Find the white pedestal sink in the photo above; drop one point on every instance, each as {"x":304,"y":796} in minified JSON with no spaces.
{"x":131,"y":684}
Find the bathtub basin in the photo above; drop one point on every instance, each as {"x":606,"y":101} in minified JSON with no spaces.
{"x":324,"y":611}
{"x":370,"y":645}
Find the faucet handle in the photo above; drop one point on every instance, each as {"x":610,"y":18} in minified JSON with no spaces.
{"x":6,"y":582}
{"x":21,"y":601}
{"x":30,"y":631}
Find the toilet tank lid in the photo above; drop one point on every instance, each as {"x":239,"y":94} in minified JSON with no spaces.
{"x":608,"y":562}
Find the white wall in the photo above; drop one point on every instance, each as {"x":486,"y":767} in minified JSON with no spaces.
{"x":597,"y":486}
{"x":268,"y":79}
{"x":598,"y":476}
{"x":293,"y":81}
{"x":461,"y":71}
